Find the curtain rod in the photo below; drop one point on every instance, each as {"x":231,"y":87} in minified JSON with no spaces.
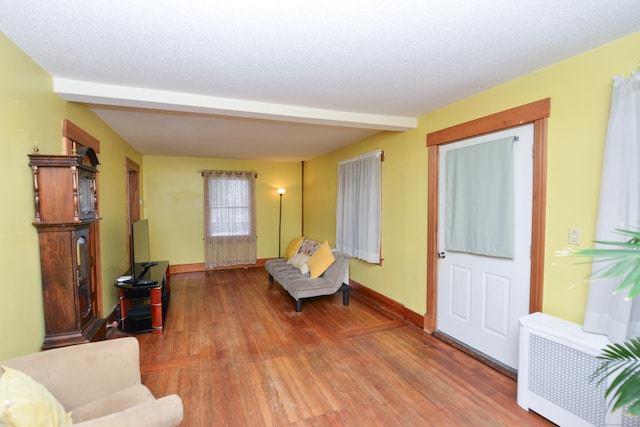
{"x":376,"y":153}
{"x":202,"y":171}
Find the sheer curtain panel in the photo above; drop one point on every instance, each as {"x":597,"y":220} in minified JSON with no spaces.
{"x":229,"y":218}
{"x":358,"y":208}
{"x":619,"y":206}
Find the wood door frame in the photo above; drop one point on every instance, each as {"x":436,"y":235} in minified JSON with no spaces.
{"x":74,"y":137}
{"x":132,"y":170}
{"x":536,"y":113}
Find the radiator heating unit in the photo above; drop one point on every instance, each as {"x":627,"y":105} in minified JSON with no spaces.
{"x":556,"y":362}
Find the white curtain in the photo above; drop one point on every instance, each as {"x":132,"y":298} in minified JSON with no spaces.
{"x":229,"y":218}
{"x":358,"y":208}
{"x":619,"y":206}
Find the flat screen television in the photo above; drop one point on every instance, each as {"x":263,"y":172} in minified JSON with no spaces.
{"x":140,"y":253}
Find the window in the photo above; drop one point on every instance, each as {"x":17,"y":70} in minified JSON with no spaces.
{"x":230,"y":218}
{"x":230,"y":207}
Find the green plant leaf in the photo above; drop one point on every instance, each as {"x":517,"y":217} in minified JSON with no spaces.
{"x":634,"y":409}
{"x":628,"y":393}
{"x":621,"y":361}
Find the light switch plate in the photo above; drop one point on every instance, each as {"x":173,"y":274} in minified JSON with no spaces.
{"x":574,"y":236}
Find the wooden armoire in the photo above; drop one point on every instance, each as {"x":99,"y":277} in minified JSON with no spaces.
{"x":65,"y":199}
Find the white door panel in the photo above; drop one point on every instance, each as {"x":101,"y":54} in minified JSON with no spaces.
{"x":461,"y":293}
{"x":480,"y":298}
{"x":496,"y":301}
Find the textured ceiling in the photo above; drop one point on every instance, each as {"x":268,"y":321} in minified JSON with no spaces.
{"x":291,"y":80}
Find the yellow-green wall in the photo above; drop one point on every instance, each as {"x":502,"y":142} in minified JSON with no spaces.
{"x":580,"y":91}
{"x":173,"y":203}
{"x":30,"y":112}
{"x":402,"y":276}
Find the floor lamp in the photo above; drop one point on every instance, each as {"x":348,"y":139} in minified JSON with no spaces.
{"x":281,"y":191}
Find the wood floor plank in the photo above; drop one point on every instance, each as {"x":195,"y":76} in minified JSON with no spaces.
{"x":238,"y":354}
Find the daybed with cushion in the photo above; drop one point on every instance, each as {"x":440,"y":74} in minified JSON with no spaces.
{"x":96,"y":384}
{"x":311,"y":269}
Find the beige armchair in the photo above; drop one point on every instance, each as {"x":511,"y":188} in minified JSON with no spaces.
{"x":100,"y":384}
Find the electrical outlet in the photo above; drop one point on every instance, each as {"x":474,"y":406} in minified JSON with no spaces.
{"x":574,"y":236}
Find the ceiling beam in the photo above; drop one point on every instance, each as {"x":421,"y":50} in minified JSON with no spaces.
{"x":134,"y":97}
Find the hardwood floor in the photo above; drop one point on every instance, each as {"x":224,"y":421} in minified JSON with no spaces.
{"x":238,"y":354}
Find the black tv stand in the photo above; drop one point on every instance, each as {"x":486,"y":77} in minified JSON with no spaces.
{"x":144,"y":298}
{"x":142,"y":269}
{"x":142,"y":273}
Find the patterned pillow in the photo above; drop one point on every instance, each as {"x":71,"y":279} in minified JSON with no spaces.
{"x":308,"y":247}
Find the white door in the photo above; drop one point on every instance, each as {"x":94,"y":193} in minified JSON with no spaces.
{"x":481,"y":298}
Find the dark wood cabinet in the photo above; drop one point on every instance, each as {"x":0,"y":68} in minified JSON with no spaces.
{"x":65,"y":197}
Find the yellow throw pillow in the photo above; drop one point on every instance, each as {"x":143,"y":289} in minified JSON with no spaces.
{"x":294,"y":244}
{"x":24,"y":402}
{"x":321,"y":259}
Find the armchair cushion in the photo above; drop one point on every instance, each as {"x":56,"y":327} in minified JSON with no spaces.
{"x":120,"y":400}
{"x":166,"y":411}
